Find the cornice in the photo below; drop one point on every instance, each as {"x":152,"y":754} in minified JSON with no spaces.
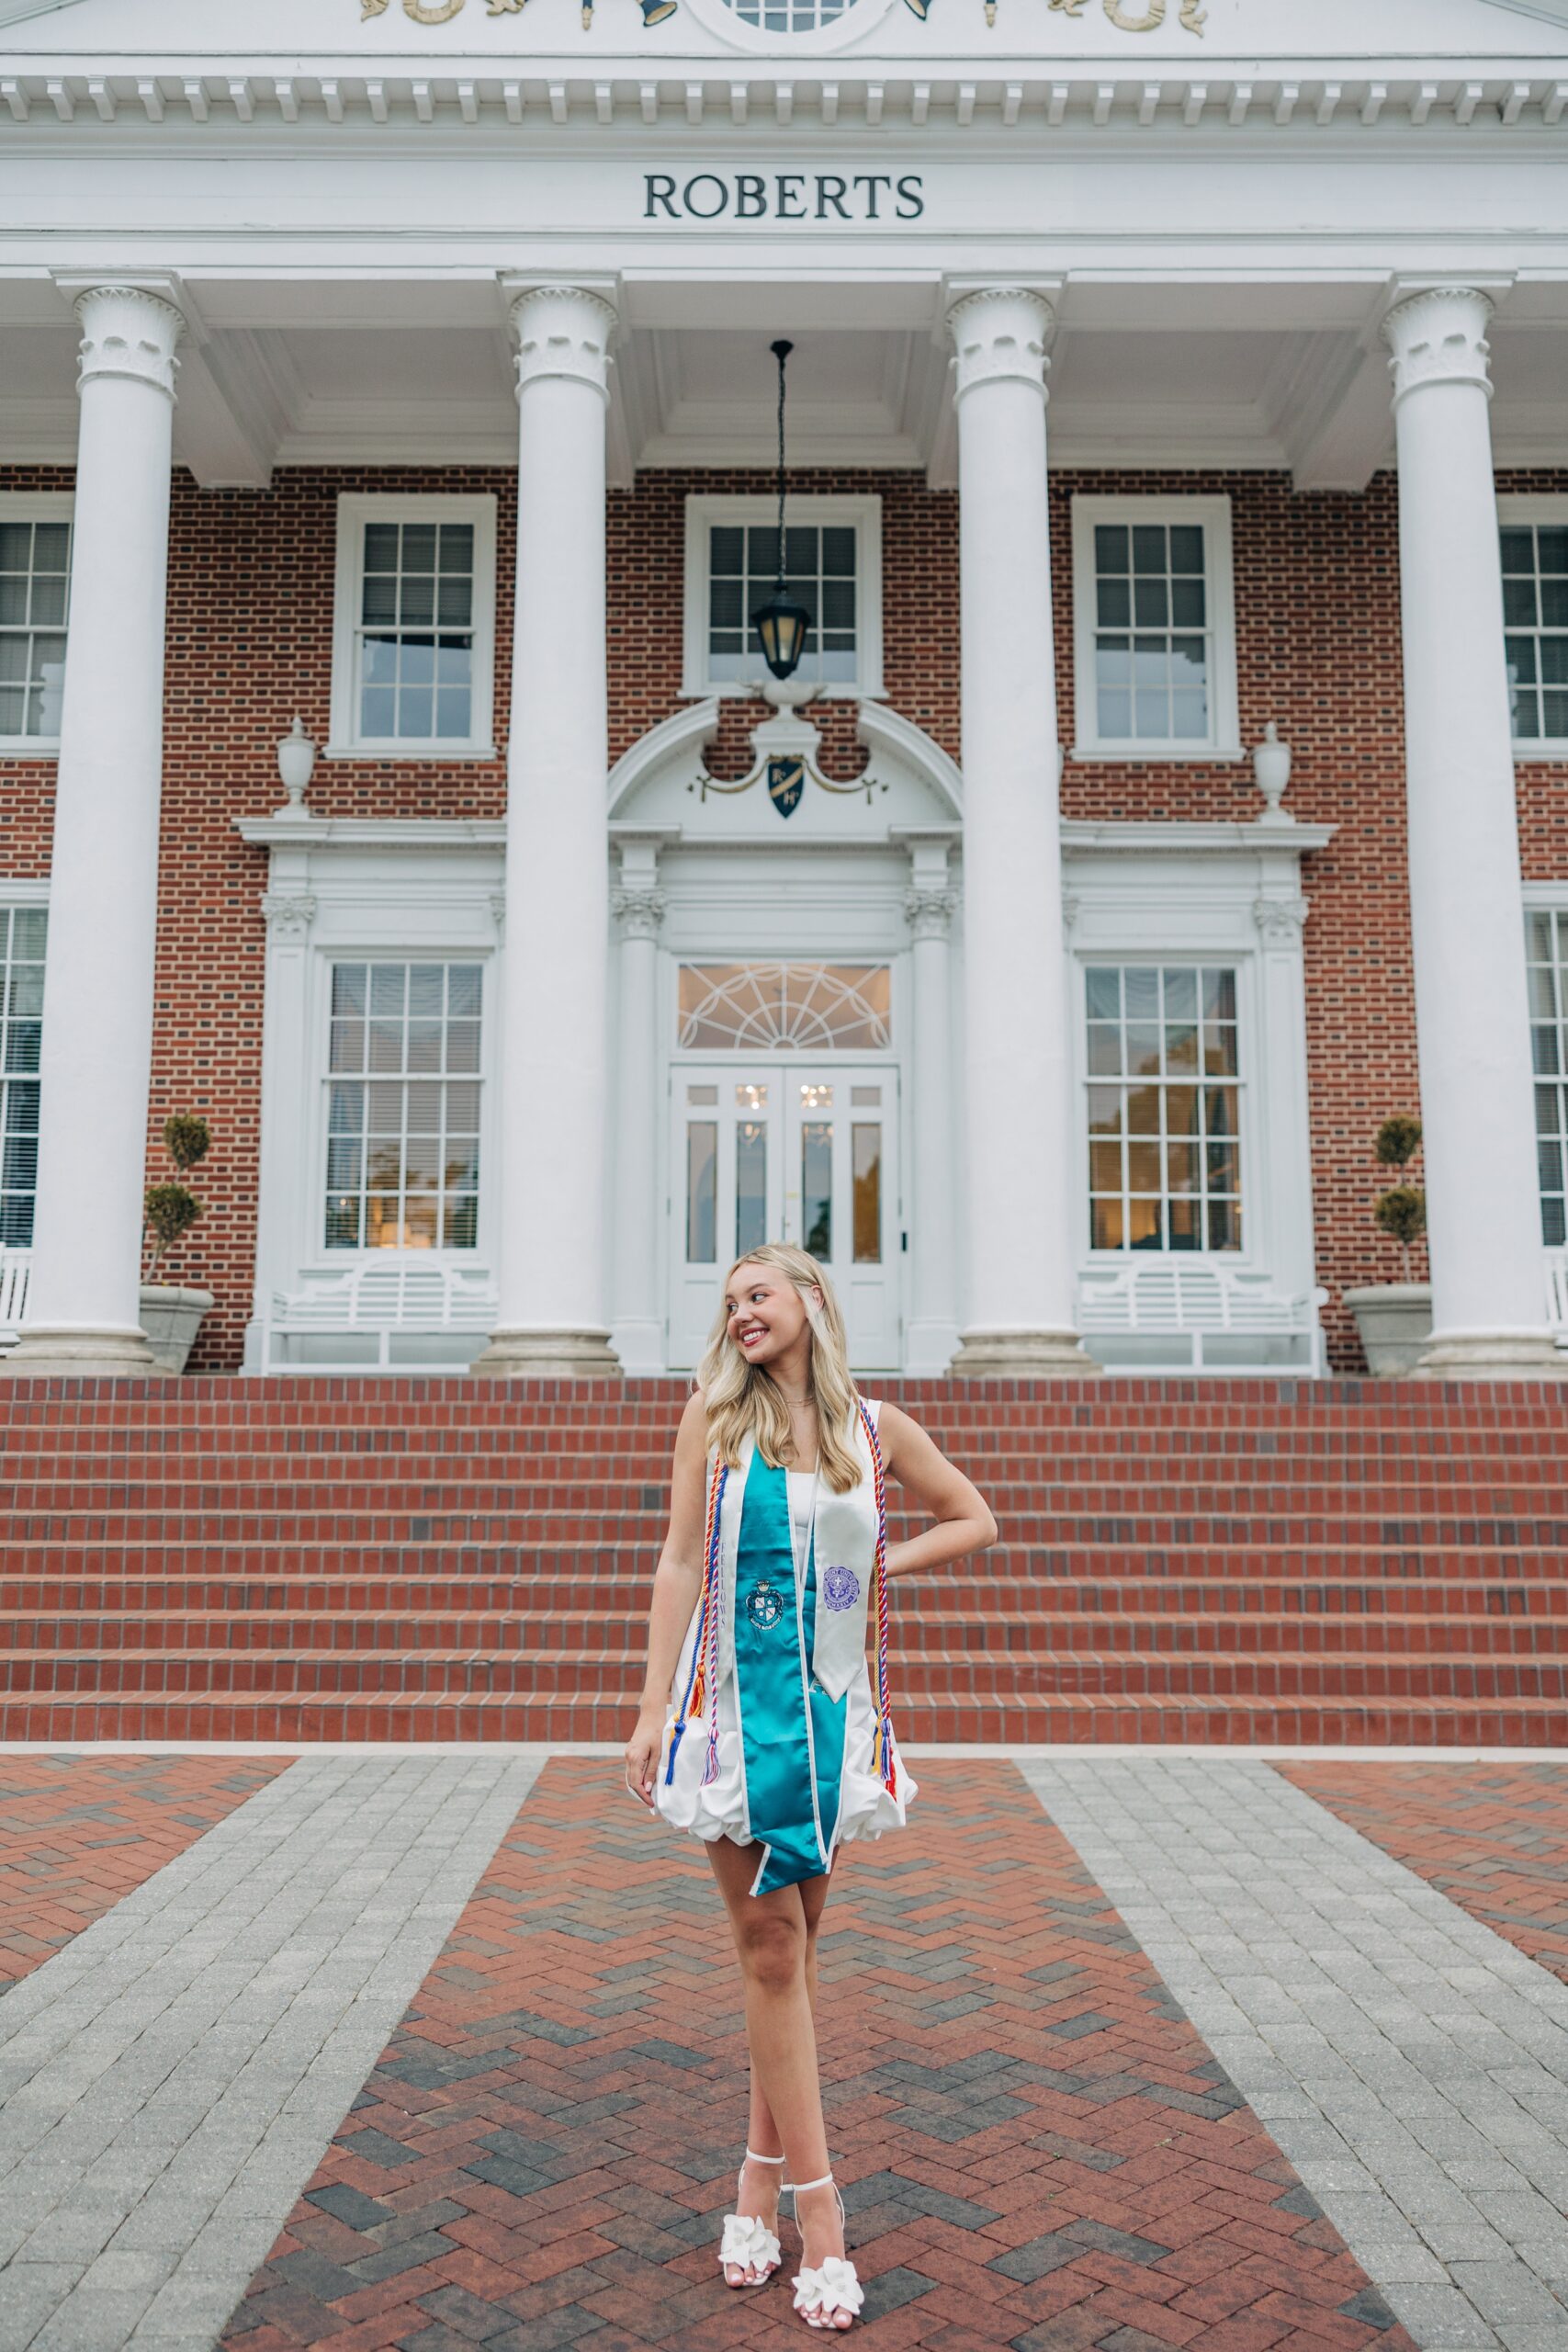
{"x":1082,"y":837}
{"x":420,"y":836}
{"x":254,"y":95}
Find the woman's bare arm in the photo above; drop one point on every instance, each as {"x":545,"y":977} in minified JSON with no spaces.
{"x":676,"y":1583}
{"x":964,"y":1520}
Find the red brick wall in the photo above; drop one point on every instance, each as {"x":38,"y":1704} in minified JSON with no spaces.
{"x":250,"y":643}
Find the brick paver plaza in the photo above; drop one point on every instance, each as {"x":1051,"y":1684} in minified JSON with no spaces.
{"x":438,"y":2052}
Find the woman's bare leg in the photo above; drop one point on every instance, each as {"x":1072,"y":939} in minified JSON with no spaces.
{"x":771,"y":1941}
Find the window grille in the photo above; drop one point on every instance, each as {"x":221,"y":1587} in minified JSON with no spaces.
{"x":1535,"y":615}
{"x":23,"y":930}
{"x":416,"y":632}
{"x":35,"y":591}
{"x":1546,"y":936}
{"x":1153,"y":650}
{"x":820,"y":571}
{"x":789,"y":16}
{"x":403,"y":1107}
{"x":1164,"y":1108}
{"x":813,"y":1008}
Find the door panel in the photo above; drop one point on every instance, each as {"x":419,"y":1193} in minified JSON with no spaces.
{"x":775,"y":1151}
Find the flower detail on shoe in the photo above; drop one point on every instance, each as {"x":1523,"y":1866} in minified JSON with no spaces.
{"x":831,"y":2287}
{"x":748,"y":2244}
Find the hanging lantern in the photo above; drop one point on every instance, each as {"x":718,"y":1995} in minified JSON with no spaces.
{"x":781,"y":624}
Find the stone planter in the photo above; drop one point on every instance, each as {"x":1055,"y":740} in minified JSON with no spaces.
{"x":172,"y":1317}
{"x":1394,"y":1320}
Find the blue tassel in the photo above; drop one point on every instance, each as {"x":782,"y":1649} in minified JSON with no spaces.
{"x":675,"y":1739}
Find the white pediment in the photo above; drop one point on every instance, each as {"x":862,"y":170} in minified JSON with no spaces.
{"x":784,"y":800}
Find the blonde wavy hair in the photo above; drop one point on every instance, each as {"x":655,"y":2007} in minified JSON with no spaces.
{"x":742,"y":1396}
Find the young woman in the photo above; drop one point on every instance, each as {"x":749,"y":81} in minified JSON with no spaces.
{"x":759,"y":1730}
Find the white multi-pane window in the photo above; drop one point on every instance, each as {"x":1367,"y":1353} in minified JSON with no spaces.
{"x":1535,"y":617}
{"x":35,"y":594}
{"x":23,"y":932}
{"x":413,"y":654}
{"x":1154,"y":628}
{"x":1164,"y":1075}
{"x":1546,"y":939}
{"x":832,"y":566}
{"x":404,"y":1106}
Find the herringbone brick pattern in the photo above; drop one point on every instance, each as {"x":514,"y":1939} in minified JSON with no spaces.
{"x":77,"y":1832}
{"x":1494,"y":1837}
{"x":1037,"y":2150}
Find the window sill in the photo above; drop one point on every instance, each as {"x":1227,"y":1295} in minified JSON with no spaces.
{"x":1125,"y":755}
{"x":29,"y":747}
{"x":1552,"y":754}
{"x":427,"y":754}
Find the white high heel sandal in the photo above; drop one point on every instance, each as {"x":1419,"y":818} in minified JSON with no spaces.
{"x":749,"y":2244}
{"x":832,"y":2287}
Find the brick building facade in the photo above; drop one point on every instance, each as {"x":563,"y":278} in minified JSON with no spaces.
{"x":1250,"y":423}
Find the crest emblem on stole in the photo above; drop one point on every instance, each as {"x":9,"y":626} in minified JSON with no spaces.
{"x":764,"y":1606}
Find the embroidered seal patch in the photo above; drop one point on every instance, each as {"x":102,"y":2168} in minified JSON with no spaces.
{"x":764,"y":1606}
{"x":840,"y":1588}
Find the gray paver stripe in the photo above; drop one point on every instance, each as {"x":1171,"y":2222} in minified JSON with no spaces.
{"x":168,"y":2082}
{"x":1411,"y":2063}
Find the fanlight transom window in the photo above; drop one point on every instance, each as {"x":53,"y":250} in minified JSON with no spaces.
{"x":789,"y":16}
{"x":807,"y":1008}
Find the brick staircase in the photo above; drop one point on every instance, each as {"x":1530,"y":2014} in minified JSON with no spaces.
{"x":1245,"y":1561}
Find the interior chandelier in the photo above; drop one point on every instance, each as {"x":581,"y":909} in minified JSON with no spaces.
{"x":782,"y":623}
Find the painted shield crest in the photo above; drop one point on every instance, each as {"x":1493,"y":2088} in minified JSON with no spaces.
{"x":786,"y":782}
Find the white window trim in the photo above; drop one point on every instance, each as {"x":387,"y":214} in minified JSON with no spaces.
{"x":354,"y":511}
{"x":1224,"y":741}
{"x":38,"y":506}
{"x":1550,"y":509}
{"x":702,"y":511}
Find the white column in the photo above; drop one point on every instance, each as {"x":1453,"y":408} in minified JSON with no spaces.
{"x":1472,"y":1021}
{"x":637,"y":905}
{"x":83,"y":1303}
{"x":555,"y":996}
{"x":1020,"y":1273}
{"x":931,"y":1328}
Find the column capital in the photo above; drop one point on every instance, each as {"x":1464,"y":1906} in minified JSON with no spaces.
{"x":128,"y":330}
{"x":639,"y":912}
{"x":1280,"y":922}
{"x":999,"y":333}
{"x":1438,"y":336}
{"x":289,"y":914}
{"x":930,"y":912}
{"x":562,"y":331}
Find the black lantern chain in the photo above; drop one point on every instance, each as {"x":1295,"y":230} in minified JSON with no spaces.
{"x":782,"y":623}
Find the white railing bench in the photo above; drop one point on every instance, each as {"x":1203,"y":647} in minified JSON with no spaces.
{"x":1167,"y":1315}
{"x":15,"y":1267}
{"x":401,"y":1315}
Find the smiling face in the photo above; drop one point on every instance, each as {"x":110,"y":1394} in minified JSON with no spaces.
{"x":767,"y":1314}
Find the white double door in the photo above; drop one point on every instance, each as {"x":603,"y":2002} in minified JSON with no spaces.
{"x":786,"y":1149}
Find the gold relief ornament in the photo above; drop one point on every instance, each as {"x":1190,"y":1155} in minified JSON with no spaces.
{"x":1193,"y":15}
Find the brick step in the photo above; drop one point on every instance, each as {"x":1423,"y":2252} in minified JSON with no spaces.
{"x":995,"y":1636}
{"x":586,"y":1569}
{"x":1480,"y":1524}
{"x":950,"y":1674}
{"x":1044,"y":1600}
{"x":1014,"y":1722}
